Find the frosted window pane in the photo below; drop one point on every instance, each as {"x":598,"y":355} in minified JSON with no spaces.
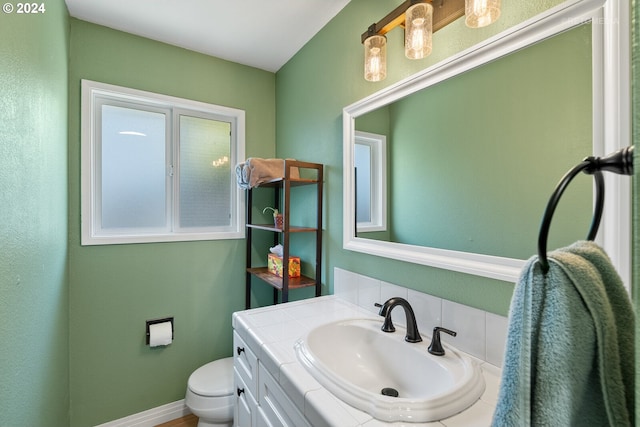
{"x":363,"y":185}
{"x":205,"y":172}
{"x":133,"y":168}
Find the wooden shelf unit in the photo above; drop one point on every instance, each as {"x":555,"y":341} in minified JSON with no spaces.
{"x":282,"y":199}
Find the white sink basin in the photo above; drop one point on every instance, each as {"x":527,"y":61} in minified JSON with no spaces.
{"x":355,"y":361}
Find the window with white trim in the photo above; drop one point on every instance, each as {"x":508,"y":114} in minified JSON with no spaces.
{"x":371,"y":181}
{"x":157,"y":168}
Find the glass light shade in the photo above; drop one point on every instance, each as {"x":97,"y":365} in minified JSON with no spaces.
{"x":418,"y":30}
{"x":375,"y":58}
{"x":480,"y":13}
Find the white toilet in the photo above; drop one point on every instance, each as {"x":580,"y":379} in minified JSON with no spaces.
{"x":210,"y":393}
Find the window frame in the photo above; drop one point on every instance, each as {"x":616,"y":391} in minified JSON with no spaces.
{"x":92,"y":96}
{"x":378,"y":167}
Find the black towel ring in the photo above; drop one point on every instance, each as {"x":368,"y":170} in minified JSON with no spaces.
{"x":620,"y":162}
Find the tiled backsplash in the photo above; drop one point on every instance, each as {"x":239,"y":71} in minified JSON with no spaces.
{"x":479,"y":333}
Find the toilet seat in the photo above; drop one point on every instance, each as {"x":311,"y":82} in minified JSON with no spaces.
{"x":215,"y":379}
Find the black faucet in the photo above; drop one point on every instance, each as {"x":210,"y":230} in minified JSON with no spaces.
{"x":436,"y":346}
{"x":412,"y":328}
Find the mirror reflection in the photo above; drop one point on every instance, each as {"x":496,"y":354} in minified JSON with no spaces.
{"x":471,"y":161}
{"x":370,"y":161}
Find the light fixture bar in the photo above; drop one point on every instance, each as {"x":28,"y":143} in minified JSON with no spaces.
{"x":444,"y":13}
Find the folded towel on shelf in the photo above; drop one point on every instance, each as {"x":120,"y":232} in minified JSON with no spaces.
{"x":569,"y":356}
{"x":255,"y":171}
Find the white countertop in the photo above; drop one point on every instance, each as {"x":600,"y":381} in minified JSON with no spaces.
{"x":272,"y":331}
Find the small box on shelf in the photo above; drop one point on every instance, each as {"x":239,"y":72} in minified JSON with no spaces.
{"x":274,"y":265}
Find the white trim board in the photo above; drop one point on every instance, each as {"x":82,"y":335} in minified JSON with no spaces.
{"x":152,"y":417}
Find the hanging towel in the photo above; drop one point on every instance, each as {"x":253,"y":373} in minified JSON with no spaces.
{"x":255,"y":171}
{"x":569,"y":356}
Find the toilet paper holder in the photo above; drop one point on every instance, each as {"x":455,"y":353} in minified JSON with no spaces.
{"x":153,"y":322}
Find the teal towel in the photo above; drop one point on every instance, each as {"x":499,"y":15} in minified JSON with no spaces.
{"x":569,"y":356}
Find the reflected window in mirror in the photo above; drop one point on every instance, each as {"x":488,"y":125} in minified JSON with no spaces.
{"x":371,"y":182}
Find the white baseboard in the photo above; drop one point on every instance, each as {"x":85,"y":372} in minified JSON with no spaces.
{"x":152,"y":417}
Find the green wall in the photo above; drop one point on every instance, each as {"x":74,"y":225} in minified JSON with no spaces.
{"x":34,"y":385}
{"x":114,"y":289}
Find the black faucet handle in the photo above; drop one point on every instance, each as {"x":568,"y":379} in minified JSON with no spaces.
{"x":384,"y":309}
{"x":435,"y":347}
{"x":387,"y":326}
{"x":439,"y":329}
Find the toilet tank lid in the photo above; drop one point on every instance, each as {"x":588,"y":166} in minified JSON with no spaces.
{"x":213,"y":379}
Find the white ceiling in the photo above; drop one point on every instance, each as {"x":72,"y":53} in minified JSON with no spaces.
{"x":260,"y":33}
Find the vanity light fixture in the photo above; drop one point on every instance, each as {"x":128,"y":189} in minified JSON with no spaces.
{"x":418,"y":28}
{"x":420,"y":18}
{"x":220,"y":162}
{"x":375,"y":58}
{"x":480,"y":13}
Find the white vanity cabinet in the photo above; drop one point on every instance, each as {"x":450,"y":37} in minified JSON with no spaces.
{"x":260,"y":401}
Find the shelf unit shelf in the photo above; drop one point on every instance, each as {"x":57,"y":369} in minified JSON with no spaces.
{"x":275,"y":281}
{"x":282,"y":198}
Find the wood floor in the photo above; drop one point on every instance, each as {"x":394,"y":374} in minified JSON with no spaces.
{"x":186,"y":421}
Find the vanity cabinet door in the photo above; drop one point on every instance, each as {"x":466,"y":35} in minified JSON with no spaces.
{"x":246,"y":363}
{"x":276,"y":409}
{"x":244,"y":411}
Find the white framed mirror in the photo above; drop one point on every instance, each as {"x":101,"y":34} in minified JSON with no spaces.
{"x":604,"y":26}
